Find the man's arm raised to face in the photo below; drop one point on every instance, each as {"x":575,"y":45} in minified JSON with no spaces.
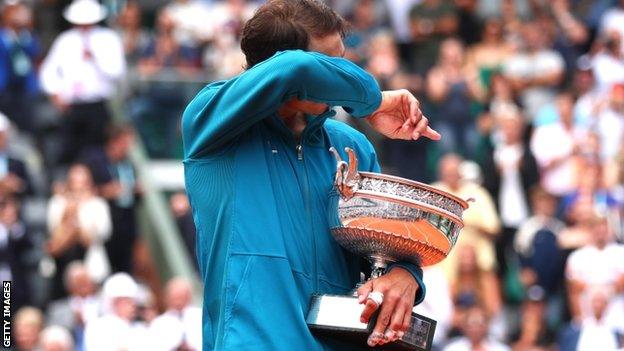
{"x":220,"y":112}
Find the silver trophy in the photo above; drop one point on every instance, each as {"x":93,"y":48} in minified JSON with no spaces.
{"x":385,"y":219}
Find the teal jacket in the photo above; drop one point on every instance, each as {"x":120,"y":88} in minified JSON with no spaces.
{"x":261,"y":199}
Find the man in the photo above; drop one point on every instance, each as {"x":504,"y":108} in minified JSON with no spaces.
{"x":116,"y":179}
{"x":475,"y":334}
{"x":117,"y":328}
{"x":179,"y":328}
{"x":14,"y":179}
{"x":80,"y":75}
{"x":259,"y":176}
{"x":19,"y":51}
{"x":80,"y":307}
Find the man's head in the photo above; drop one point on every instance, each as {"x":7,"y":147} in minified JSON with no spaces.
{"x":27,"y":323}
{"x":16,"y":16}
{"x":178,"y":294}
{"x":475,"y":324}
{"x":120,"y":292}
{"x":119,"y":141}
{"x":77,"y":280}
{"x":511,"y":124}
{"x":448,"y":170}
{"x":280,"y":25}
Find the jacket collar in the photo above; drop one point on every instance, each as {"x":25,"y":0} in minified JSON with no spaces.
{"x":312,"y":134}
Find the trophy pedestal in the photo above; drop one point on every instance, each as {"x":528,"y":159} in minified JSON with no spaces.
{"x":338,"y":316}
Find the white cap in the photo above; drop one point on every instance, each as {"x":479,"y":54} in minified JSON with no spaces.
{"x":5,"y":124}
{"x":120,"y":285}
{"x":84,"y":12}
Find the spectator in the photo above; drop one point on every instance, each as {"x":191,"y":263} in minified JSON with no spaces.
{"x":536,"y":71}
{"x":430,"y":22}
{"x":473,"y":286}
{"x":116,"y":181}
{"x":591,"y":191}
{"x":452,"y":86}
{"x":608,"y":64}
{"x":14,"y":179}
{"x":183,"y":215}
{"x":590,"y":101}
{"x":80,"y":75}
{"x":555,"y":147}
{"x":163,"y":56}
{"x":613,"y":21}
{"x":79,"y":223}
{"x":134,"y":38}
{"x":27,"y":324}
{"x":512,"y":172}
{"x":489,"y":55}
{"x":15,"y":244}
{"x":180,"y":326}
{"x":475,"y":330}
{"x":593,"y":332}
{"x":481,"y":223}
{"x":364,"y":26}
{"x":55,"y":338}
{"x":610,"y":123}
{"x":19,"y":51}
{"x":541,"y":266}
{"x":469,"y":23}
{"x":191,"y":22}
{"x":597,"y":264}
{"x":117,"y":329}
{"x":80,"y":307}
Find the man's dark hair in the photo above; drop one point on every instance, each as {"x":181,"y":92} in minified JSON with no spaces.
{"x":287,"y":25}
{"x":116,"y":131}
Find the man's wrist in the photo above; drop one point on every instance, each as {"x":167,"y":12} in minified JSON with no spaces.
{"x":417,"y":273}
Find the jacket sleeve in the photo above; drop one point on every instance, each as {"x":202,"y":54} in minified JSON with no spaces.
{"x":417,"y":273}
{"x":223,"y":110}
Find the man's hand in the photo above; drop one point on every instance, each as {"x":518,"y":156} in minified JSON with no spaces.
{"x":399,"y":117}
{"x":399,"y":290}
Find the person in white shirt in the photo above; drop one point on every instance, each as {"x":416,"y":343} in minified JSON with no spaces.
{"x":555,"y":146}
{"x":613,"y":21}
{"x":599,"y":264}
{"x":475,"y":330}
{"x":180,"y":326}
{"x":116,"y":329}
{"x":56,"y":338}
{"x":81,"y":73}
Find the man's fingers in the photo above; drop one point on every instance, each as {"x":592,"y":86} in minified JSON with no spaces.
{"x":369,"y":309}
{"x":407,"y":320}
{"x":396,"y":324}
{"x":364,"y":290}
{"x":415,"y":113}
{"x":383,"y":320}
{"x":431,"y":134}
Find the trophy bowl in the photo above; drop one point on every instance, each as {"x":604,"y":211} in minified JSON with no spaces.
{"x":385,"y":219}
{"x":388,"y":219}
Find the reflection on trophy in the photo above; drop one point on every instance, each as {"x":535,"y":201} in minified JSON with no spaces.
{"x":385,"y":219}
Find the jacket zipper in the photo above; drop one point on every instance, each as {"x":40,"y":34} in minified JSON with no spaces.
{"x":306,"y":194}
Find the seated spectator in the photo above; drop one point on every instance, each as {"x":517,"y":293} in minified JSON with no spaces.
{"x":27,"y":325}
{"x":19,"y":52}
{"x":14,"y":179}
{"x":431,"y":21}
{"x":117,"y":329}
{"x":607,"y":63}
{"x":79,"y":224}
{"x":116,"y":181}
{"x":182,"y":212}
{"x":512,"y":172}
{"x":55,"y":338}
{"x":191,"y":22}
{"x":542,"y":263}
{"x":489,"y":55}
{"x":590,"y":190}
{"x":452,"y":87}
{"x":610,"y":123}
{"x":593,"y":332}
{"x":481,"y":223}
{"x":473,"y":286}
{"x":81,"y":306}
{"x":536,"y":71}
{"x":475,"y":326}
{"x":555,"y":147}
{"x":597,"y":264}
{"x":134,"y":38}
{"x":180,"y":326}
{"x":15,"y":244}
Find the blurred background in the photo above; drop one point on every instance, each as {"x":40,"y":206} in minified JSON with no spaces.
{"x":95,"y":228}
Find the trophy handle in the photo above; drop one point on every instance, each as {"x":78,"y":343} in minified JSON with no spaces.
{"x":347,"y":176}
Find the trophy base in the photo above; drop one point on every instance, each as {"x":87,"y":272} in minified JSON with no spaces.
{"x":338,"y":316}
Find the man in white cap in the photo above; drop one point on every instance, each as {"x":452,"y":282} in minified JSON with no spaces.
{"x":117,"y":329}
{"x":14,"y":180}
{"x":80,"y":75}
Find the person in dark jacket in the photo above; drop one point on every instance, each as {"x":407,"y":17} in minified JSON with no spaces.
{"x":510,"y":171}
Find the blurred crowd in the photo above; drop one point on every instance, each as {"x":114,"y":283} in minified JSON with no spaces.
{"x":528,"y":95}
